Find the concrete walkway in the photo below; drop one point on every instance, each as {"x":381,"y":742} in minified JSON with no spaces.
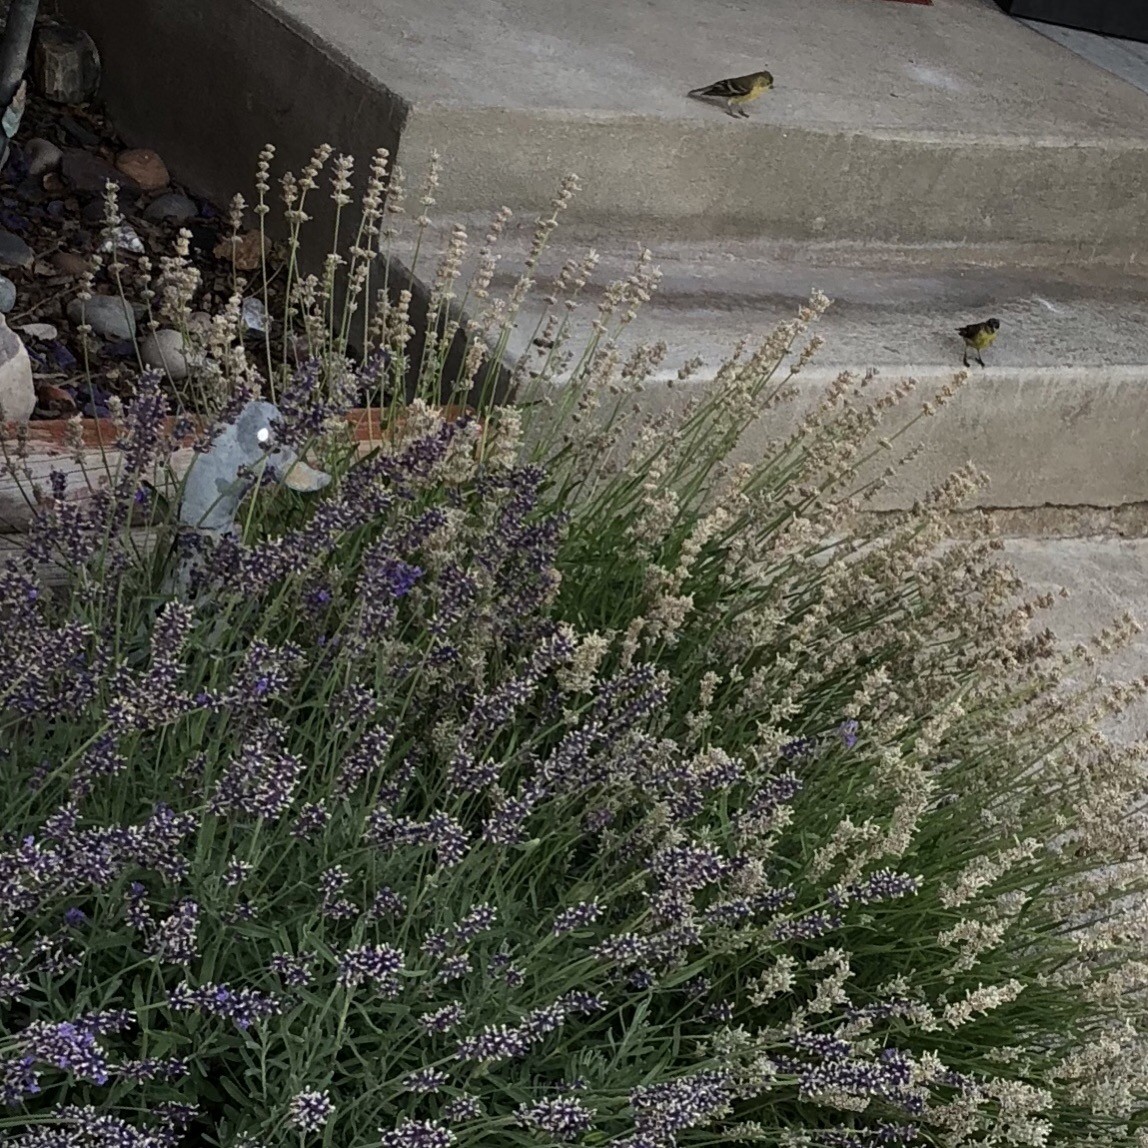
{"x":1127,"y":59}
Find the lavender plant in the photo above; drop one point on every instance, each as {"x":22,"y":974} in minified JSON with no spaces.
{"x":549,"y":777}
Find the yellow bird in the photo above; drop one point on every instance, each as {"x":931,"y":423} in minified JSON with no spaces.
{"x":736,"y":91}
{"x":979,"y":336}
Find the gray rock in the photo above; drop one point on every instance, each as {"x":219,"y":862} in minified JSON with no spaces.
{"x":89,"y":173}
{"x":65,"y":63}
{"x":163,"y":349}
{"x":42,"y":155}
{"x":7,"y":294}
{"x":94,"y":211}
{"x":171,"y":205}
{"x":14,"y":252}
{"x":17,"y":391}
{"x":107,"y":315}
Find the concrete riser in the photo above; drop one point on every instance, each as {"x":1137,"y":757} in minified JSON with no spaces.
{"x":1056,"y":438}
{"x":664,"y":178}
{"x":209,"y":83}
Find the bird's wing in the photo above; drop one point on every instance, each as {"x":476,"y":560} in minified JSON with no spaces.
{"x":969,"y":331}
{"x":735,"y":86}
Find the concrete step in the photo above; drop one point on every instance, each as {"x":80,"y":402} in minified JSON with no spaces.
{"x":891,"y":122}
{"x":1104,"y":577}
{"x":1058,"y":416}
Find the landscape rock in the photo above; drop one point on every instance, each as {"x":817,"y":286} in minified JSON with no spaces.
{"x":78,"y":132}
{"x":173,"y":206}
{"x":107,"y":315}
{"x":70,"y":263}
{"x":254,"y":314}
{"x":163,"y":349}
{"x":145,"y":167}
{"x":123,"y":238}
{"x":95,"y":211}
{"x":30,"y":190}
{"x":17,"y":389}
{"x":246,"y":250}
{"x":54,"y":400}
{"x":42,"y":156}
{"x":14,"y":252}
{"x":7,"y":294}
{"x":65,"y":63}
{"x":89,"y":173}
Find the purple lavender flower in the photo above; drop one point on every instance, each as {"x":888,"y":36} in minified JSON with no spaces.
{"x":441,"y":831}
{"x":564,"y":1118}
{"x":441,"y":1020}
{"x":885,"y":1077}
{"x":425,"y":1080}
{"x":260,"y":780}
{"x":243,"y":1006}
{"x":798,"y":748}
{"x":74,"y":918}
{"x":379,"y":964}
{"x":237,"y":872}
{"x":882,"y":885}
{"x":576,"y":917}
{"x":334,"y":906}
{"x":461,"y":1109}
{"x":69,"y":1045}
{"x":309,"y":1111}
{"x":454,"y":969}
{"x":174,"y":939}
{"x":136,"y":912}
{"x":364,"y":759}
{"x":294,"y":971}
{"x":153,"y":1068}
{"x":806,"y":928}
{"x":387,"y":903}
{"x":847,"y":732}
{"x":417,"y":1134}
{"x":479,"y":920}
{"x":662,"y":1110}
{"x":311,"y":818}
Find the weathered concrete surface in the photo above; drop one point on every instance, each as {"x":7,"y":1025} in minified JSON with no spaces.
{"x":1127,"y":59}
{"x":898,"y":123}
{"x":1104,"y":577}
{"x":1058,"y":417}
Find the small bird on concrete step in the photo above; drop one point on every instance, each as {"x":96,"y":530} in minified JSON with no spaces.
{"x":736,"y":91}
{"x":979,"y":336}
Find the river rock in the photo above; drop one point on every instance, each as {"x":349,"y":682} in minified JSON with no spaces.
{"x":144,"y":166}
{"x":163,"y":349}
{"x":95,"y":210}
{"x":14,"y":252}
{"x":7,"y":294}
{"x":70,"y":263}
{"x":17,"y":389}
{"x":107,"y":315}
{"x":173,"y":206}
{"x":65,"y":63}
{"x":42,"y":155}
{"x":89,"y":173}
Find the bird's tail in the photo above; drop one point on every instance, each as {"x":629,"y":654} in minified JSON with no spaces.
{"x":705,"y":91}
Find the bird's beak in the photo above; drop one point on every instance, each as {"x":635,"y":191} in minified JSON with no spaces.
{"x":306,"y":478}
